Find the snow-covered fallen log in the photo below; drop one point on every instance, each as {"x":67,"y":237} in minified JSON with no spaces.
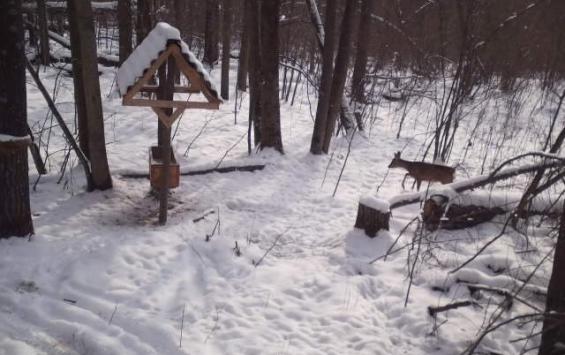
{"x":473,"y":183}
{"x":222,"y":170}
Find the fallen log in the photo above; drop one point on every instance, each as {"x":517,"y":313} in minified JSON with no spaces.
{"x":439,"y":213}
{"x":103,"y":59}
{"x":223,"y":170}
{"x":479,"y":181}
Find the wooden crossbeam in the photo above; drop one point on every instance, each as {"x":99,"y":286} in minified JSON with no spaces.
{"x":179,"y":89}
{"x":173,"y":104}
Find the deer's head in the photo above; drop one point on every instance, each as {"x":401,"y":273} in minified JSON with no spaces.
{"x":395,"y":163}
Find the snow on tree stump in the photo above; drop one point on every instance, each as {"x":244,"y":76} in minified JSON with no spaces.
{"x":373,"y":215}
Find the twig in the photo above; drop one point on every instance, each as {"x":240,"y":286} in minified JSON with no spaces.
{"x":432,"y":311}
{"x":271,"y":247}
{"x":230,"y":149}
{"x":112,"y":316}
{"x":345,"y":161}
{"x":181,"y":325}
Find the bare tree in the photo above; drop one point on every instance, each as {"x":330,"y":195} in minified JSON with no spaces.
{"x":319,"y":132}
{"x":211,"y":35}
{"x":340,"y":70}
{"x":144,"y":20}
{"x":87,"y":92}
{"x":226,"y":47}
{"x":255,"y":111}
{"x":268,"y":54}
{"x":15,"y":215}
{"x":243,"y":65}
{"x":43,"y":33}
{"x":125,"y":29}
{"x":554,"y":322}
{"x":363,"y":40}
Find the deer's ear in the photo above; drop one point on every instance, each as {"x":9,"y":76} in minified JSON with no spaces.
{"x":397,"y":155}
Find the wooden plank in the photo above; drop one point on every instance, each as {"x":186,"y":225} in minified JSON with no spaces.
{"x":172,"y":104}
{"x":147,"y":76}
{"x":179,"y":89}
{"x":192,"y":75}
{"x":167,"y":120}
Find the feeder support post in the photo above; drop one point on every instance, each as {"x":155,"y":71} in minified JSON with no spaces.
{"x":166,"y":92}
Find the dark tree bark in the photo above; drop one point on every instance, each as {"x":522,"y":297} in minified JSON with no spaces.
{"x":87,"y":92}
{"x":226,"y":47}
{"x":243,"y":64}
{"x":363,"y":35}
{"x":340,"y":70}
{"x":269,"y":74}
{"x":125,"y":29}
{"x":144,"y":23}
{"x":15,"y":215}
{"x":211,"y":35}
{"x":554,"y":322}
{"x":43,"y":33}
{"x":326,"y":80}
{"x":255,"y":112}
{"x":180,"y":13}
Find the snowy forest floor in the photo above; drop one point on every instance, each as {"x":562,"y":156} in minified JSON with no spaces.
{"x":100,"y":277}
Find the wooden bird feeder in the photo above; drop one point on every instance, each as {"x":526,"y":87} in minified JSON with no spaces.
{"x":149,"y":77}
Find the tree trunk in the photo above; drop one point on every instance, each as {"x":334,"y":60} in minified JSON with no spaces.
{"x":243,"y":64}
{"x":226,"y":47}
{"x":326,"y":80}
{"x":269,"y":74}
{"x":211,"y":36}
{"x":15,"y":215}
{"x":87,"y":92}
{"x":554,"y":322}
{"x":43,"y":32}
{"x":180,"y":13}
{"x":255,"y":112}
{"x":340,"y":70}
{"x":363,"y":35}
{"x":125,"y":29}
{"x":144,"y":25}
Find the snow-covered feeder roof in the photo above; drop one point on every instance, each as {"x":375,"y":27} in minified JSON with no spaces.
{"x":150,"y":49}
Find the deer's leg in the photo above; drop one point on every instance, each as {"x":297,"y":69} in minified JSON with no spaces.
{"x":403,"y":181}
{"x":418,"y":183}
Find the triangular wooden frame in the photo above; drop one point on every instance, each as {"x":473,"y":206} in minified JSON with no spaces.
{"x":197,"y":85}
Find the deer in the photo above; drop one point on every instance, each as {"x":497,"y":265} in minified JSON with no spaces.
{"x":422,"y":171}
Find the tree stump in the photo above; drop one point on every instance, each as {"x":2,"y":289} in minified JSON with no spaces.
{"x":373,"y":215}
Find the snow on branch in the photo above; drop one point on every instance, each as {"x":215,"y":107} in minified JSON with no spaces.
{"x":482,"y":180}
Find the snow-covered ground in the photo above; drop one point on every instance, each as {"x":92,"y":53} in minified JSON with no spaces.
{"x":283,"y":272}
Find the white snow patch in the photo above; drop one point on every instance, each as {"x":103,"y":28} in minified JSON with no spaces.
{"x":10,"y":138}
